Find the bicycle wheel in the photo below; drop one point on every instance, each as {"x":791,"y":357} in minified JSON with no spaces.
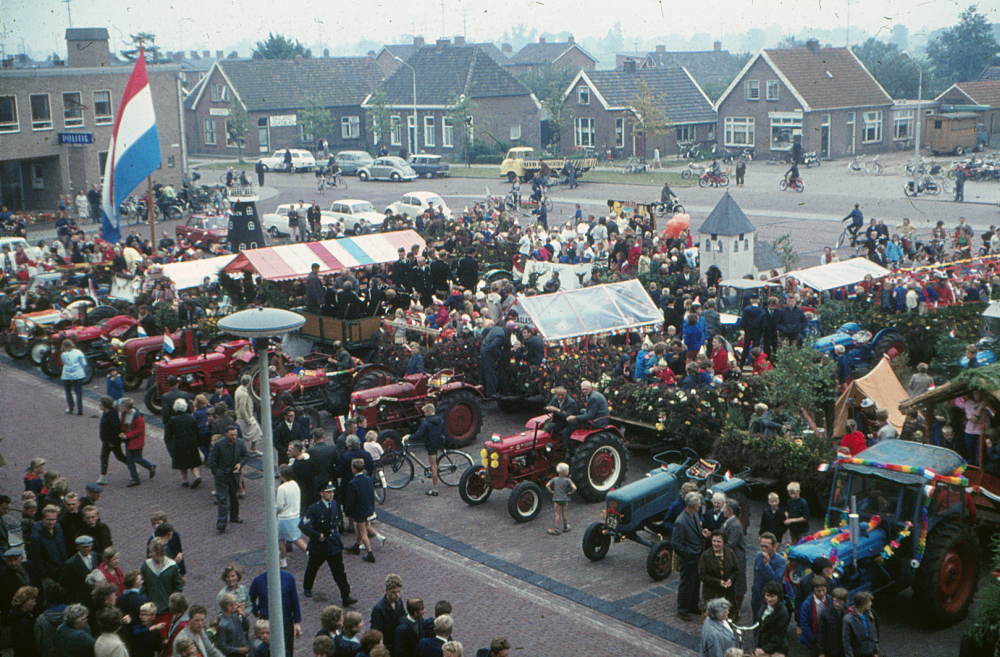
{"x":379,"y":488}
{"x":548,"y":204}
{"x":452,"y":465}
{"x":842,"y":238}
{"x":398,"y":469}
{"x":342,"y":182}
{"x":877,"y":168}
{"x":685,"y":174}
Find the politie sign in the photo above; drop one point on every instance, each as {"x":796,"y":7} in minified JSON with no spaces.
{"x":76,"y":138}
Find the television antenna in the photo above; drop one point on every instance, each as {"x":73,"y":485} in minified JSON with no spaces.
{"x":69,"y":14}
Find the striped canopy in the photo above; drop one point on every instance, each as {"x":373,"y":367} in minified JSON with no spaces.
{"x":282,"y":263}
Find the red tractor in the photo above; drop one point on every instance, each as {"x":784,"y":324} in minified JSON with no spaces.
{"x":394,"y":409}
{"x":90,"y":340}
{"x":526,"y":462}
{"x":317,"y":390}
{"x":198,"y":374}
{"x":137,"y":357}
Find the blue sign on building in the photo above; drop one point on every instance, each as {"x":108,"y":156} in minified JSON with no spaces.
{"x":76,"y":138}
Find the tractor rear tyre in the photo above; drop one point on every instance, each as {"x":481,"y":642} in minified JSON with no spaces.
{"x":132,"y":382}
{"x":51,"y":369}
{"x":373,"y":378}
{"x":38,"y":351}
{"x":154,"y":400}
{"x":16,"y":347}
{"x":599,"y":465}
{"x":596,"y":542}
{"x":658,"y":562}
{"x":525,"y":501}
{"x":890,"y":344}
{"x":946,"y":581}
{"x":390,"y":441}
{"x":474,"y":487}
{"x":463,"y":417}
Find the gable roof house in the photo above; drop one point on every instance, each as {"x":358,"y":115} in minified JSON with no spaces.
{"x":539,"y":55}
{"x":596,"y":107}
{"x":502,"y":108}
{"x":274,"y":94}
{"x":711,"y":69}
{"x":386,"y":56}
{"x":981,"y":97}
{"x":825,"y":96}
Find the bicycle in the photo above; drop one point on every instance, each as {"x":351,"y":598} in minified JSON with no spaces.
{"x":798,"y":185}
{"x":398,"y":466}
{"x":333,"y":182}
{"x":635,"y":165}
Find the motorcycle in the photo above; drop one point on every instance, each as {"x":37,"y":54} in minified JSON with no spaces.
{"x":670,"y":208}
{"x":797,"y":185}
{"x":926,"y":185}
{"x":720,"y":179}
{"x":691,"y":170}
{"x":810,"y":159}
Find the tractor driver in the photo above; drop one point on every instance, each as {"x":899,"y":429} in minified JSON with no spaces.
{"x":341,"y":359}
{"x":595,"y":414}
{"x":561,"y":406}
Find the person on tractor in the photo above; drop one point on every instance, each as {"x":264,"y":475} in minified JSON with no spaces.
{"x":595,"y":414}
{"x":561,"y":407}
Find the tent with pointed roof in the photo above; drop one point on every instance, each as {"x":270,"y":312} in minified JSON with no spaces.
{"x":727,"y":218}
{"x":729,"y":242}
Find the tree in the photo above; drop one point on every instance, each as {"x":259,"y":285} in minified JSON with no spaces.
{"x":238,"y":125}
{"x":315,"y":119}
{"x":549,"y":83}
{"x":462,"y":113}
{"x":378,"y":117}
{"x":786,"y":252}
{"x":278,"y":46}
{"x":646,"y":116}
{"x":894,"y":71}
{"x":790,"y":42}
{"x":148,"y":41}
{"x":961,"y":52}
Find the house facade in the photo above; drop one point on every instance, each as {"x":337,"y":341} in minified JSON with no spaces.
{"x":274,"y":94}
{"x":981,"y":97}
{"x":596,"y":111}
{"x":502,"y":108}
{"x":386,"y":56}
{"x":825,"y":96}
{"x":535,"y":56}
{"x":56,"y":122}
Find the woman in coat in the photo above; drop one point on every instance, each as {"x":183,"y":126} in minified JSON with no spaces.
{"x":204,"y":425}
{"x":772,"y":635}
{"x":160,"y":576}
{"x":22,"y":622}
{"x":74,"y":373}
{"x":181,"y":437}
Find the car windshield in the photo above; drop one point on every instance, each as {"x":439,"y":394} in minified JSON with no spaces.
{"x":362,"y":207}
{"x":216,"y":222}
{"x":434,"y":200}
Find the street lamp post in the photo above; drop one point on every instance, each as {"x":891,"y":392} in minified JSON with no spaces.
{"x":264,"y":323}
{"x":413,"y":145}
{"x":919,"y":120}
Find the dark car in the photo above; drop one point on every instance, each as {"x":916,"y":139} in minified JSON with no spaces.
{"x":205,"y":230}
{"x":350,"y":161}
{"x":429,"y":166}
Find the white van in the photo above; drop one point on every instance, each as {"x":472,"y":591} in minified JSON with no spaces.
{"x":301,"y":160}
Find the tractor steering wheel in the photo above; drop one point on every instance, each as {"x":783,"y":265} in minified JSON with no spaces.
{"x":440,"y":378}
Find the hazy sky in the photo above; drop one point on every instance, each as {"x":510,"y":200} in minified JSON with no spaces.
{"x":187,"y":24}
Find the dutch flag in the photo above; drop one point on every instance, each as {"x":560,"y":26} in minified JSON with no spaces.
{"x":134,"y":152}
{"x":168,"y":344}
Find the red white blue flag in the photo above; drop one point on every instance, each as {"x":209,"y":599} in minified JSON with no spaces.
{"x":134,"y":153}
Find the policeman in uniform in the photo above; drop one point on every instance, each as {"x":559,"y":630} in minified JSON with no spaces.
{"x":320,"y":525}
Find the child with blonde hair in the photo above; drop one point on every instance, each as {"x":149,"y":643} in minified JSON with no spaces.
{"x":561,"y":487}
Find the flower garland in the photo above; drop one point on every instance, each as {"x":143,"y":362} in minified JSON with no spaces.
{"x":954,"y":479}
{"x":893,"y":545}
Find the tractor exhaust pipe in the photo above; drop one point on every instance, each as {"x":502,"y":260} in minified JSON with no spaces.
{"x":854,"y":521}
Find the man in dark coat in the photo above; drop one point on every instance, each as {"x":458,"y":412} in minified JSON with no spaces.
{"x":47,"y":549}
{"x":490,"y":354}
{"x":288,"y":431}
{"x":14,"y":576}
{"x":533,"y":347}
{"x":752,"y":323}
{"x":324,"y":458}
{"x":686,"y":540}
{"x":595,"y":414}
{"x":260,"y":169}
{"x":440,"y":275}
{"x":76,"y":569}
{"x":302,"y":473}
{"x":401,"y":271}
{"x":111,"y":443}
{"x":320,"y":525}
{"x":467,"y":271}
{"x":226,"y":462}
{"x":389,"y":611}
{"x":348,"y":303}
{"x":314,"y":291}
{"x":791,"y":321}
{"x":96,"y":530}
{"x":561,"y":406}
{"x":410,"y":630}
{"x":71,"y":521}
{"x":359,"y":505}
{"x":172,"y":395}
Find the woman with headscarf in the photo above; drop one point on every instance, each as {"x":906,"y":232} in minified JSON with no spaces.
{"x":181,"y":436}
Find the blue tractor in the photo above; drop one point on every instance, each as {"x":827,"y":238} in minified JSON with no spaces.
{"x":636,"y":511}
{"x":879,"y":510}
{"x":990,"y":330}
{"x":863,"y":350}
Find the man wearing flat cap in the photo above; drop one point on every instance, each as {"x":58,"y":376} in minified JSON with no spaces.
{"x":320,"y":525}
{"x":76,"y":569}
{"x":13,"y":577}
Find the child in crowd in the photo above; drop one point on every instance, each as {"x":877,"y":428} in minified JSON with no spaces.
{"x":115,"y":388}
{"x":773,"y":518}
{"x":561,"y":488}
{"x":147,"y":637}
{"x":372,"y":447}
{"x":797,"y":512}
{"x":261,"y":638}
{"x":171,"y":536}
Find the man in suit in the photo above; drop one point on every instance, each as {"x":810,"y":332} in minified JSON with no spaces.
{"x":320,"y":525}
{"x":410,"y":630}
{"x":76,"y":569}
{"x":287,"y":432}
{"x":401,"y":272}
{"x":226,"y":462}
{"x":389,"y":611}
{"x":686,"y":540}
{"x":323,"y":457}
{"x":752,"y":323}
{"x":47,"y":549}
{"x":172,"y":395}
{"x":468,"y":271}
{"x":440,"y":273}
{"x":302,"y":474}
{"x":431,"y":646}
{"x":561,"y":406}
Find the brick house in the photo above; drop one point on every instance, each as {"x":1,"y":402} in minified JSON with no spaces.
{"x":56,"y":122}
{"x":982,"y":97}
{"x":595,"y":109}
{"x":826,"y":95}
{"x":504,"y":108}
{"x":535,"y":56}
{"x":274,"y":93}
{"x":711,"y":69}
{"x":386,"y":56}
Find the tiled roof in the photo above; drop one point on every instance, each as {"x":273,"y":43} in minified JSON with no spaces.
{"x":705,"y":66}
{"x":765,"y":258}
{"x":984,"y":92}
{"x":406,"y":50}
{"x":991,"y":73}
{"x":87,"y":34}
{"x":402,"y":50}
{"x":541,"y":54}
{"x":495,"y":53}
{"x":829,"y":78}
{"x":682,"y":101}
{"x":726,"y":218}
{"x":272,"y":84}
{"x":444,"y":74}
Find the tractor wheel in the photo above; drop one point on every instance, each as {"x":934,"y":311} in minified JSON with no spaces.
{"x":88,"y":372}
{"x":38,"y":351}
{"x":132,"y":382}
{"x":154,"y":400}
{"x":599,"y":465}
{"x":16,"y":347}
{"x":373,"y":379}
{"x":50,"y":368}
{"x":511,"y":177}
{"x":463,"y":417}
{"x":499,"y":276}
{"x":890,"y":344}
{"x":390,"y":441}
{"x":475,"y":487}
{"x":525,"y":501}
{"x":658,"y":562}
{"x":945,"y":583}
{"x":596,"y":542}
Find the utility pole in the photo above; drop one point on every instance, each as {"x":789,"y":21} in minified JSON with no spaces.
{"x":848,"y":23}
{"x":69,"y":14}
{"x":443,"y":33}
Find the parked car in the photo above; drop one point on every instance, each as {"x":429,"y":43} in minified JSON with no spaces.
{"x":204,"y":231}
{"x":301,"y":160}
{"x":429,"y":166}
{"x":350,"y":161}
{"x":352,"y":211}
{"x":391,"y":168}
{"x":276,"y":223}
{"x":414,"y":204}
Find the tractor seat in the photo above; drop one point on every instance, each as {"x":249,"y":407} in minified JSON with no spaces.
{"x":862,"y":337}
{"x":703,"y":469}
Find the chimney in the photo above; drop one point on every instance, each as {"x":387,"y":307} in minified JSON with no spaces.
{"x":717,"y":46}
{"x":813,"y":46}
{"x":178,"y":56}
{"x":218,"y":54}
{"x":506,"y":48}
{"x":194,"y":54}
{"x":541,"y":39}
{"x":569,"y":39}
{"x":87,"y":47}
{"x":170,"y":54}
{"x":460,"y":41}
{"x":418,"y":42}
{"x":326,"y":53}
{"x":629,"y":65}
{"x":441,"y":44}
{"x":660,"y":48}
{"x":298,"y":60}
{"x":207,"y":54}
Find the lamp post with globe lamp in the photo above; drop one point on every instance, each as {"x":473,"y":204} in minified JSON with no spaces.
{"x":919,"y":120}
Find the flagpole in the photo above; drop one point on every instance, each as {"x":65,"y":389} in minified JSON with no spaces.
{"x":152,"y":215}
